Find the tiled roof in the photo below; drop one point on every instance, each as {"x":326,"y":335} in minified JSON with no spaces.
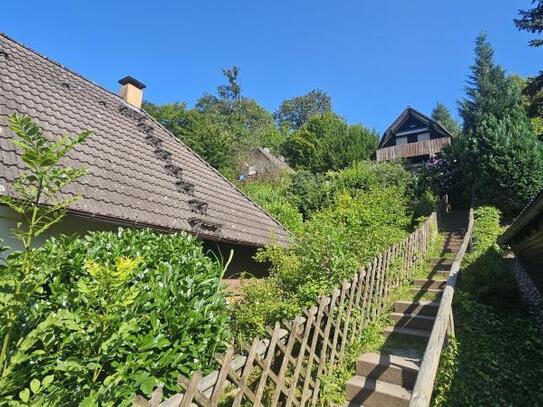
{"x":137,"y":172}
{"x":280,"y":164}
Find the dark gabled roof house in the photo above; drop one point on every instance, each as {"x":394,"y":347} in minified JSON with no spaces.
{"x":261,"y":163}
{"x":413,"y":136}
{"x":138,"y":173}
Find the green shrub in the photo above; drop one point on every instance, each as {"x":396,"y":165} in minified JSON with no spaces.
{"x":484,"y":271}
{"x":497,"y":344}
{"x":333,"y":244}
{"x":271,"y":194}
{"x":309,"y":192}
{"x":125,"y":312}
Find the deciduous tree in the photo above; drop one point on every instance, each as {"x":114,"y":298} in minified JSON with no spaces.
{"x":294,"y":113}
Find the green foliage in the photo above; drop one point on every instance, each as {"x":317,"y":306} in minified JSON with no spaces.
{"x":497,"y":344}
{"x":41,"y":180}
{"x":36,"y":200}
{"x":442,"y":115}
{"x":532,"y":21}
{"x":367,"y":208}
{"x":326,"y":142}
{"x":222,"y":129}
{"x":509,"y":164}
{"x":125,"y":312}
{"x":490,"y":91}
{"x":294,"y":113}
{"x":498,"y":160}
{"x":272,"y":195}
{"x":485,"y":274}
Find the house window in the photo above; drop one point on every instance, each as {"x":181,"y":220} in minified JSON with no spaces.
{"x":412,"y":138}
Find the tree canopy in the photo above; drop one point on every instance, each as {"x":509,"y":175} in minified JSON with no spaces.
{"x":497,"y":160}
{"x":326,"y":142}
{"x":224,"y":127}
{"x":294,"y":113}
{"x":532,"y":21}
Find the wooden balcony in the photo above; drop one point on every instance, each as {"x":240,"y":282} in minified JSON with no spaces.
{"x":429,"y":147}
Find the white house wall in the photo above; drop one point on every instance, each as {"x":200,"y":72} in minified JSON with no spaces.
{"x":70,"y":225}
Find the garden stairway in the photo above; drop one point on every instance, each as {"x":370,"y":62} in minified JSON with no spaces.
{"x":386,"y":379}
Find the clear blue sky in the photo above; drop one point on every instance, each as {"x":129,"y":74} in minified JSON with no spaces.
{"x":373,"y":57}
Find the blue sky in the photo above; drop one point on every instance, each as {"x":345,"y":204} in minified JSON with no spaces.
{"x":373,"y":57}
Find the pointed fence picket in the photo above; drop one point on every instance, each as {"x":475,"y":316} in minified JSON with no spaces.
{"x":285,"y":368}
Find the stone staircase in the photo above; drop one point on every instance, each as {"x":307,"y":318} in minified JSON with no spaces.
{"x":387,"y":378}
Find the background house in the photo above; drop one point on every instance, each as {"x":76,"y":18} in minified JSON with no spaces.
{"x":413,"y":136}
{"x":138,"y":173}
{"x":261,"y":163}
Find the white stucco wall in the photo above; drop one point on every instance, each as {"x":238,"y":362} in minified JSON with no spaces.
{"x":68,"y":226}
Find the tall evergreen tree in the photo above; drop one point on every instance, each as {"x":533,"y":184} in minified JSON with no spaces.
{"x":489,"y":91}
{"x":497,"y":160}
{"x":532,"y":20}
{"x":442,"y":115}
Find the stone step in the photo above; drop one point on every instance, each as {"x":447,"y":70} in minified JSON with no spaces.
{"x":412,"y":321}
{"x":388,"y":368}
{"x":450,"y":250}
{"x":417,"y":291}
{"x":406,"y":332}
{"x":437,"y":284}
{"x":426,"y":308}
{"x":453,"y":241}
{"x":441,"y":262}
{"x":370,"y":392}
{"x":439,"y":274}
{"x":440,"y":267}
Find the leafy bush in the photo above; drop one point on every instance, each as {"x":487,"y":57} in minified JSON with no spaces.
{"x":362,"y":219}
{"x":326,"y":142}
{"x":497,"y":344}
{"x":309,"y":192}
{"x":485,"y":274}
{"x":271,"y":194}
{"x":125,"y":312}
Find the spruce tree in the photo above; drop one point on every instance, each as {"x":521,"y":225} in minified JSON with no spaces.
{"x":490,"y":91}
{"x":442,"y":115}
{"x":498,"y":159}
{"x":532,"y":21}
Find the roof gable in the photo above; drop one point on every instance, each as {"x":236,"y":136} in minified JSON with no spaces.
{"x":277,"y":162}
{"x":412,"y":123}
{"x":411,"y":120}
{"x":138,"y":173}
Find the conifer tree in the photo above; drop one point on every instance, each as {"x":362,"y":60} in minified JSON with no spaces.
{"x":489,"y":91}
{"x":442,"y":115}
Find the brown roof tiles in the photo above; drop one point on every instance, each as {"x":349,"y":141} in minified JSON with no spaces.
{"x":137,"y":172}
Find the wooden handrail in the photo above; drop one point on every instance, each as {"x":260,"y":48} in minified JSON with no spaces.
{"x":422,"y":392}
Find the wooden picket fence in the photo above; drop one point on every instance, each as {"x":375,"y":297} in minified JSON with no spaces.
{"x":285,"y":368}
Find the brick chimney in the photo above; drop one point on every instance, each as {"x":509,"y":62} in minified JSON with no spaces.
{"x":132,"y":91}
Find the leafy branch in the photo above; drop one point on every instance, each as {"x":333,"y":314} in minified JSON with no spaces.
{"x":36,"y":198}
